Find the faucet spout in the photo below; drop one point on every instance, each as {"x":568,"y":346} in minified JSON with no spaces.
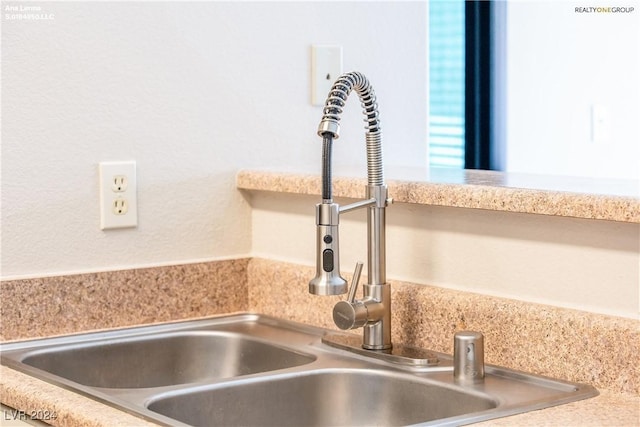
{"x":375,"y":308}
{"x":329,"y":127}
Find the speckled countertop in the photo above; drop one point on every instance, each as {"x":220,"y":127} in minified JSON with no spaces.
{"x":612,"y":200}
{"x":519,"y":335}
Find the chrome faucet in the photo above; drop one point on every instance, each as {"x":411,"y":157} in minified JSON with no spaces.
{"x":373,"y":311}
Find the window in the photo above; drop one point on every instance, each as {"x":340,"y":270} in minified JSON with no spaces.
{"x":460,"y":84}
{"x":447,"y":83}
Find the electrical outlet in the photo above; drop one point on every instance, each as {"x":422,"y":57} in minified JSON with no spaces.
{"x":120,"y":206}
{"x":118,"y":201}
{"x":119,"y":183}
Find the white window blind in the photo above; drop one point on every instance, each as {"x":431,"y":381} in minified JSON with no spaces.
{"x":446,"y":83}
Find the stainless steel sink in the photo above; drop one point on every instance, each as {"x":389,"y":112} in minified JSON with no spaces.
{"x":163,"y":359}
{"x":250,"y":369}
{"x":333,"y":397}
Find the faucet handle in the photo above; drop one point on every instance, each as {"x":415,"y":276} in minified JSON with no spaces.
{"x":354,"y":282}
{"x":351,"y":314}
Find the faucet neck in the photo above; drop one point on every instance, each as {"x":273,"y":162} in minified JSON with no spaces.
{"x":376,"y":235}
{"x":329,"y":127}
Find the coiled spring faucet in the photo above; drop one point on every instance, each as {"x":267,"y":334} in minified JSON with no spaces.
{"x":373,"y":311}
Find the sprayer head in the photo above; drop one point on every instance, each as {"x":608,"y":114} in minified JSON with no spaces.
{"x":328,"y":280}
{"x":328,"y":283}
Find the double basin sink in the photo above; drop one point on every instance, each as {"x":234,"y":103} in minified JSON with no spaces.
{"x":254,"y":370}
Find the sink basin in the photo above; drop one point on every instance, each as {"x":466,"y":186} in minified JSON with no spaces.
{"x":165,"y":359}
{"x":323,"y":398}
{"x":254,"y":370}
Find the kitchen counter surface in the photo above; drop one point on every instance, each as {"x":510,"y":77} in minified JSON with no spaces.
{"x":273,"y":289}
{"x":66,"y":408}
{"x":612,"y":200}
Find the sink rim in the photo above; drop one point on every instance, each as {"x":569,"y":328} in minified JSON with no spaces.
{"x":136,"y":331}
{"x":286,"y":375}
{"x":55,"y":348}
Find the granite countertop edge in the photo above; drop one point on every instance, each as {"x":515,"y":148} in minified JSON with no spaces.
{"x":488,"y":190}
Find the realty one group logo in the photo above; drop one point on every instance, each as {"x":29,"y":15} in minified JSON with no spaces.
{"x":605,"y":9}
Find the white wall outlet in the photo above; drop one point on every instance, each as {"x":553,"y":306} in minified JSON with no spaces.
{"x":120,"y":206}
{"x":326,"y":67}
{"x":118,"y":201}
{"x":119,"y":183}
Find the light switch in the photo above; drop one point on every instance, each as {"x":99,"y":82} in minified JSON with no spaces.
{"x":326,"y":67}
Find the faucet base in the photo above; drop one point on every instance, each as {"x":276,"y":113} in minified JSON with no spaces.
{"x":399,"y":354}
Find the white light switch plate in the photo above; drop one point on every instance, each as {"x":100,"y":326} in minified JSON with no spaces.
{"x":326,"y":67}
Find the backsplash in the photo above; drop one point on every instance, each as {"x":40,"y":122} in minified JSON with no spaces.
{"x":445,"y":235}
{"x":557,"y":342}
{"x":561,"y":343}
{"x":65,"y":304}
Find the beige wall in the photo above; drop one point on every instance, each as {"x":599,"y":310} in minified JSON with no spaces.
{"x":577,"y":263}
{"x":192,"y":91}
